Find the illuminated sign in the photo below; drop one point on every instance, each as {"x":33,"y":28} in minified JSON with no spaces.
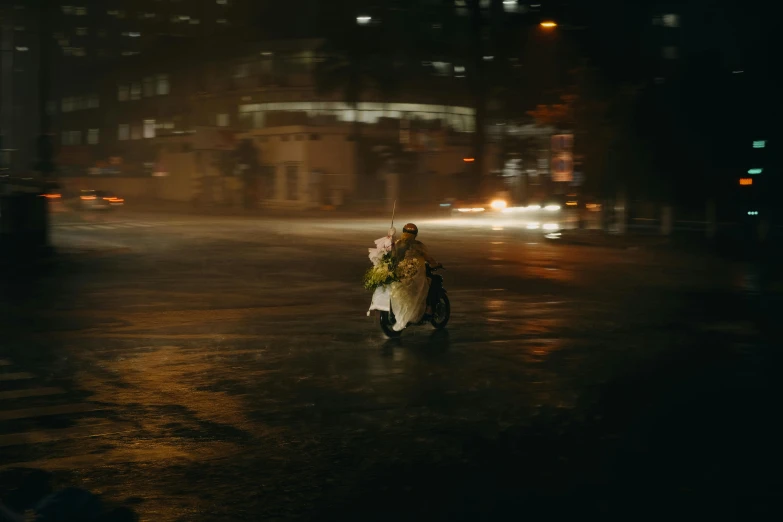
{"x":755,"y":171}
{"x":746,"y":181}
{"x":759,"y":144}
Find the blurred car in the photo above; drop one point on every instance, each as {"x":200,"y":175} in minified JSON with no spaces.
{"x":446,"y":205}
{"x":477,"y":207}
{"x":99,"y":200}
{"x":53,"y":194}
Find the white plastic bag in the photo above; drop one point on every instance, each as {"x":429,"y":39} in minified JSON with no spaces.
{"x":381,"y":299}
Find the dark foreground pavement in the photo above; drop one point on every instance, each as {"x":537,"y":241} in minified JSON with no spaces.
{"x":223,"y":369}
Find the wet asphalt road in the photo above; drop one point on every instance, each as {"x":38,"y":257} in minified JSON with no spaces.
{"x":217,"y":368}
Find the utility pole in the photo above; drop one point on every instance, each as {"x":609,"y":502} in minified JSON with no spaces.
{"x":45,"y":148}
{"x":6,"y":88}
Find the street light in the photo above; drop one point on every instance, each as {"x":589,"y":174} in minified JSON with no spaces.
{"x":363,"y":19}
{"x":548,"y":24}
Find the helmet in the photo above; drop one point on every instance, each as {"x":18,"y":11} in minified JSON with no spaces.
{"x":410,"y":228}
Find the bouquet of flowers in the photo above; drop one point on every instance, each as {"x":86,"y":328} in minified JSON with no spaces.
{"x":384,"y":269}
{"x":407,"y":269}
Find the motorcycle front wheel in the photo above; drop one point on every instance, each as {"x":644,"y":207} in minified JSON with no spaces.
{"x":386,"y":321}
{"x":441,"y":312}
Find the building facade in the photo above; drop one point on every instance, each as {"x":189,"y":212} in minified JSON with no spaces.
{"x":19,"y":62}
{"x":82,"y":38}
{"x":110,"y":126}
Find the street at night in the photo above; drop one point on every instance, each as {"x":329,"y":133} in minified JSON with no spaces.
{"x":223,"y":368}
{"x":442,"y":260}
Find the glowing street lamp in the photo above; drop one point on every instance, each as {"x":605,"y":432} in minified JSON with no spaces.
{"x":548,"y":24}
{"x":363,"y":19}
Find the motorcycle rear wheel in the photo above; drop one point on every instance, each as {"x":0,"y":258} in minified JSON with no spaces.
{"x":441,"y":313}
{"x":386,"y":322}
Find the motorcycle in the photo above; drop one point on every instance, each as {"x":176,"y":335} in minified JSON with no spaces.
{"x":439,"y":303}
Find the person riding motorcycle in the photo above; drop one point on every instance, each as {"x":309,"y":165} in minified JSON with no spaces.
{"x":408,"y":246}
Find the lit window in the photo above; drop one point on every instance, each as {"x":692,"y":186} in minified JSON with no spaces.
{"x":93,"y":102}
{"x":81,"y":31}
{"x":149,"y":128}
{"x":442,"y":68}
{"x":67,"y":9}
{"x":22,"y":49}
{"x":123,"y":132}
{"x":76,"y":137}
{"x":510,"y":6}
{"x":136,"y":132}
{"x":222,"y":2}
{"x":123,"y":93}
{"x":81,"y":11}
{"x":162,"y":84}
{"x":195,"y":21}
{"x":671,"y":20}
{"x":93,"y":136}
{"x":67,"y":104}
{"x":135,"y":91}
{"x":149,"y":86}
{"x":222,"y":21}
{"x":134,"y":34}
{"x":223,"y":120}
